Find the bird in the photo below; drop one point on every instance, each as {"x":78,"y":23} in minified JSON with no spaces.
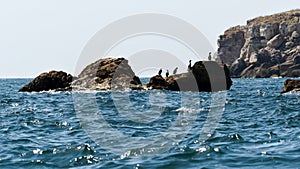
{"x":190,"y":65}
{"x":209,"y":56}
{"x":160,"y":71}
{"x":167,"y":73}
{"x":175,"y":71}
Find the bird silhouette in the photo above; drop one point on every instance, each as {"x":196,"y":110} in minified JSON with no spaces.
{"x":209,"y":56}
{"x":190,"y":65}
{"x":175,"y":71}
{"x":160,"y":71}
{"x":167,"y":73}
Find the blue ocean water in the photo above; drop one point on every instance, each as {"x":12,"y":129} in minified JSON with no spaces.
{"x":259,"y":128}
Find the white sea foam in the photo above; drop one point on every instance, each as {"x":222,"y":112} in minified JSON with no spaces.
{"x":292,"y":93}
{"x":189,"y":110}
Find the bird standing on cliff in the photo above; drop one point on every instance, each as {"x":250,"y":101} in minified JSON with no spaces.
{"x":175,"y":71}
{"x":190,"y":65}
{"x":209,"y":56}
{"x":159,"y":72}
{"x":167,"y":73}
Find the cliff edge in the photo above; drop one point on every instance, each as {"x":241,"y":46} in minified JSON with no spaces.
{"x":267,"y":46}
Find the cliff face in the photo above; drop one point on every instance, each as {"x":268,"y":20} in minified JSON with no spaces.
{"x":267,"y":46}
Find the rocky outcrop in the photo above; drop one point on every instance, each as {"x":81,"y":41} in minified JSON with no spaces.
{"x":54,"y":80}
{"x":158,"y":82}
{"x":116,"y":74}
{"x":205,"y":76}
{"x":291,"y":86}
{"x":108,"y":73}
{"x":267,"y":46}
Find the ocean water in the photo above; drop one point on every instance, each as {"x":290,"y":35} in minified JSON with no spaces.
{"x":254,"y":126}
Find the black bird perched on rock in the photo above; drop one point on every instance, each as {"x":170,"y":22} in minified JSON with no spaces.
{"x":167,"y":73}
{"x":160,"y":71}
{"x":209,"y":56}
{"x":190,"y":66}
{"x":175,"y":71}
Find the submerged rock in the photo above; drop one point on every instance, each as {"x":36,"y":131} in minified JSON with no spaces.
{"x":54,"y":80}
{"x":291,"y":86}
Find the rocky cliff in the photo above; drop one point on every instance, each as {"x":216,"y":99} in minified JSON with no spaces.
{"x":267,"y":46}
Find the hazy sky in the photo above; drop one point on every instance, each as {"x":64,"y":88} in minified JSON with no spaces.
{"x":41,"y":35}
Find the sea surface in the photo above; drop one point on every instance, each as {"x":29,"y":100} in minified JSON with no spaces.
{"x":250,"y":126}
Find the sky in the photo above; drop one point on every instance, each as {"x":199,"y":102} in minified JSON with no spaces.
{"x":42,"y":35}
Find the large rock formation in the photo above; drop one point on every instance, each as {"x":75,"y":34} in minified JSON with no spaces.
{"x":104,"y":74}
{"x":291,"y":86}
{"x":265,"y":47}
{"x":205,"y":76}
{"x":54,"y":80}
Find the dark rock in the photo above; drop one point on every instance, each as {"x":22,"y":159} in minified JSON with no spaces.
{"x":291,"y":86}
{"x":158,"y":82}
{"x":297,"y":59}
{"x":227,"y":76}
{"x":294,"y":71}
{"x":274,"y":71}
{"x":237,"y":67}
{"x":276,"y":58}
{"x":54,"y":80}
{"x":249,"y":72}
{"x":284,"y":67}
{"x":206,"y":76}
{"x":135,"y":81}
{"x":211,"y":77}
{"x":183,"y":82}
{"x":262,"y":73}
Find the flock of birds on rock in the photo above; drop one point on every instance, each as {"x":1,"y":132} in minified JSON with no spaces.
{"x":167,"y":73}
{"x":176,"y":69}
